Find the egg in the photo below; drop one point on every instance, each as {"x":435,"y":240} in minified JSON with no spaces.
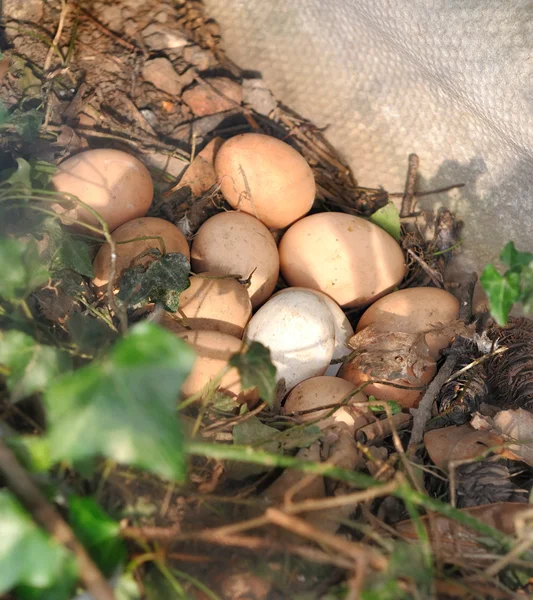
{"x":415,"y":310}
{"x":213,"y":351}
{"x":234,"y":243}
{"x":343,"y":329}
{"x":215,"y":304}
{"x":113,"y":183}
{"x":146,"y":227}
{"x":406,"y":398}
{"x":317,"y":392}
{"x":348,"y":258}
{"x":266,"y":178}
{"x":298,"y":328}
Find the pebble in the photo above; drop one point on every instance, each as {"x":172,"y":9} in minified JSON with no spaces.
{"x":203,"y":100}
{"x":160,"y":73}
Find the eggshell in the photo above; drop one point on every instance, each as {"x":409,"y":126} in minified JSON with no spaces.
{"x":215,"y":304}
{"x":112,"y":182}
{"x":343,"y":328}
{"x":213,"y":351}
{"x":415,"y":310}
{"x":316,"y":392}
{"x":298,"y":328}
{"x":236,"y":243}
{"x":348,"y":258}
{"x":126,"y":253}
{"x":266,"y":178}
{"x":404,"y":397}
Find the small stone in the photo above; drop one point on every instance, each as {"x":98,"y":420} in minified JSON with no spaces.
{"x":203,"y":100}
{"x":198,"y":57}
{"x":258,"y":96}
{"x":160,"y":73}
{"x":112,"y":17}
{"x":150,"y":117}
{"x":163,"y":38}
{"x":23,"y":10}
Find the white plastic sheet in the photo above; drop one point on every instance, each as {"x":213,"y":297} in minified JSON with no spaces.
{"x":451,"y":80}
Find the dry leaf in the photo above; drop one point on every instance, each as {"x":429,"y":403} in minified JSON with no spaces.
{"x":391,"y":355}
{"x":512,"y":426}
{"x":458,"y":443}
{"x":200,"y":176}
{"x":452,"y":540}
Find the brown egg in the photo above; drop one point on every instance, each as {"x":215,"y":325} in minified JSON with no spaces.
{"x":234,"y":243}
{"x":113,"y":183}
{"x":404,"y":397}
{"x":317,"y":392}
{"x":215,"y":304}
{"x":213,"y":351}
{"x":150,"y":227}
{"x":266,"y":178}
{"x":348,"y":258}
{"x":415,"y":310}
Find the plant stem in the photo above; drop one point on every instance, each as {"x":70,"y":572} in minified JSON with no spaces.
{"x":19,"y":482}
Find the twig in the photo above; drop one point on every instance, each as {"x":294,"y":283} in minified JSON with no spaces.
{"x":361,"y":554}
{"x":374,"y":433}
{"x":65,"y":7}
{"x":435,"y":276}
{"x":410,"y":182}
{"x":422,"y":414}
{"x":19,"y":482}
{"x":448,"y":188}
{"x":465,"y":303}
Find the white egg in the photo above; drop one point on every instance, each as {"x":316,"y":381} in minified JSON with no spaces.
{"x":343,"y":329}
{"x":299,"y":329}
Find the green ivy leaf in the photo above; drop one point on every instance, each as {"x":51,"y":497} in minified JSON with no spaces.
{"x":256,"y":370}
{"x":388,"y":218}
{"x":394,"y":406}
{"x":513,"y":259}
{"x":252,"y":433}
{"x":502,"y":291}
{"x":98,"y":533}
{"x":90,"y":334}
{"x":27,"y":123}
{"x":67,"y":252}
{"x":28,"y":556}
{"x":31,"y":366}
{"x":21,"y":176}
{"x":163,"y":281}
{"x":21,"y":270}
{"x":123,"y":406}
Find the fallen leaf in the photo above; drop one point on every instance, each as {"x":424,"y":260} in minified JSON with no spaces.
{"x":200,"y":176}
{"x":451,"y":540}
{"x":458,"y":443}
{"x":390,"y":355}
{"x":512,"y":426}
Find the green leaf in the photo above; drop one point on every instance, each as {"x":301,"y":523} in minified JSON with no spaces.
{"x":98,"y":533}
{"x":163,"y":281}
{"x":67,"y":252}
{"x":61,"y":590}
{"x":127,"y":588}
{"x":123,"y":406}
{"x":90,"y":334}
{"x":378,"y":406}
{"x":502,"y":291}
{"x":28,"y":556}
{"x":27,"y":123}
{"x":32,"y":451}
{"x":388,"y":218}
{"x":513,"y":259}
{"x":21,"y":270}
{"x":31,"y":366}
{"x":257,"y":371}
{"x":298,"y":437}
{"x":252,"y":433}
{"x":21,"y":176}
